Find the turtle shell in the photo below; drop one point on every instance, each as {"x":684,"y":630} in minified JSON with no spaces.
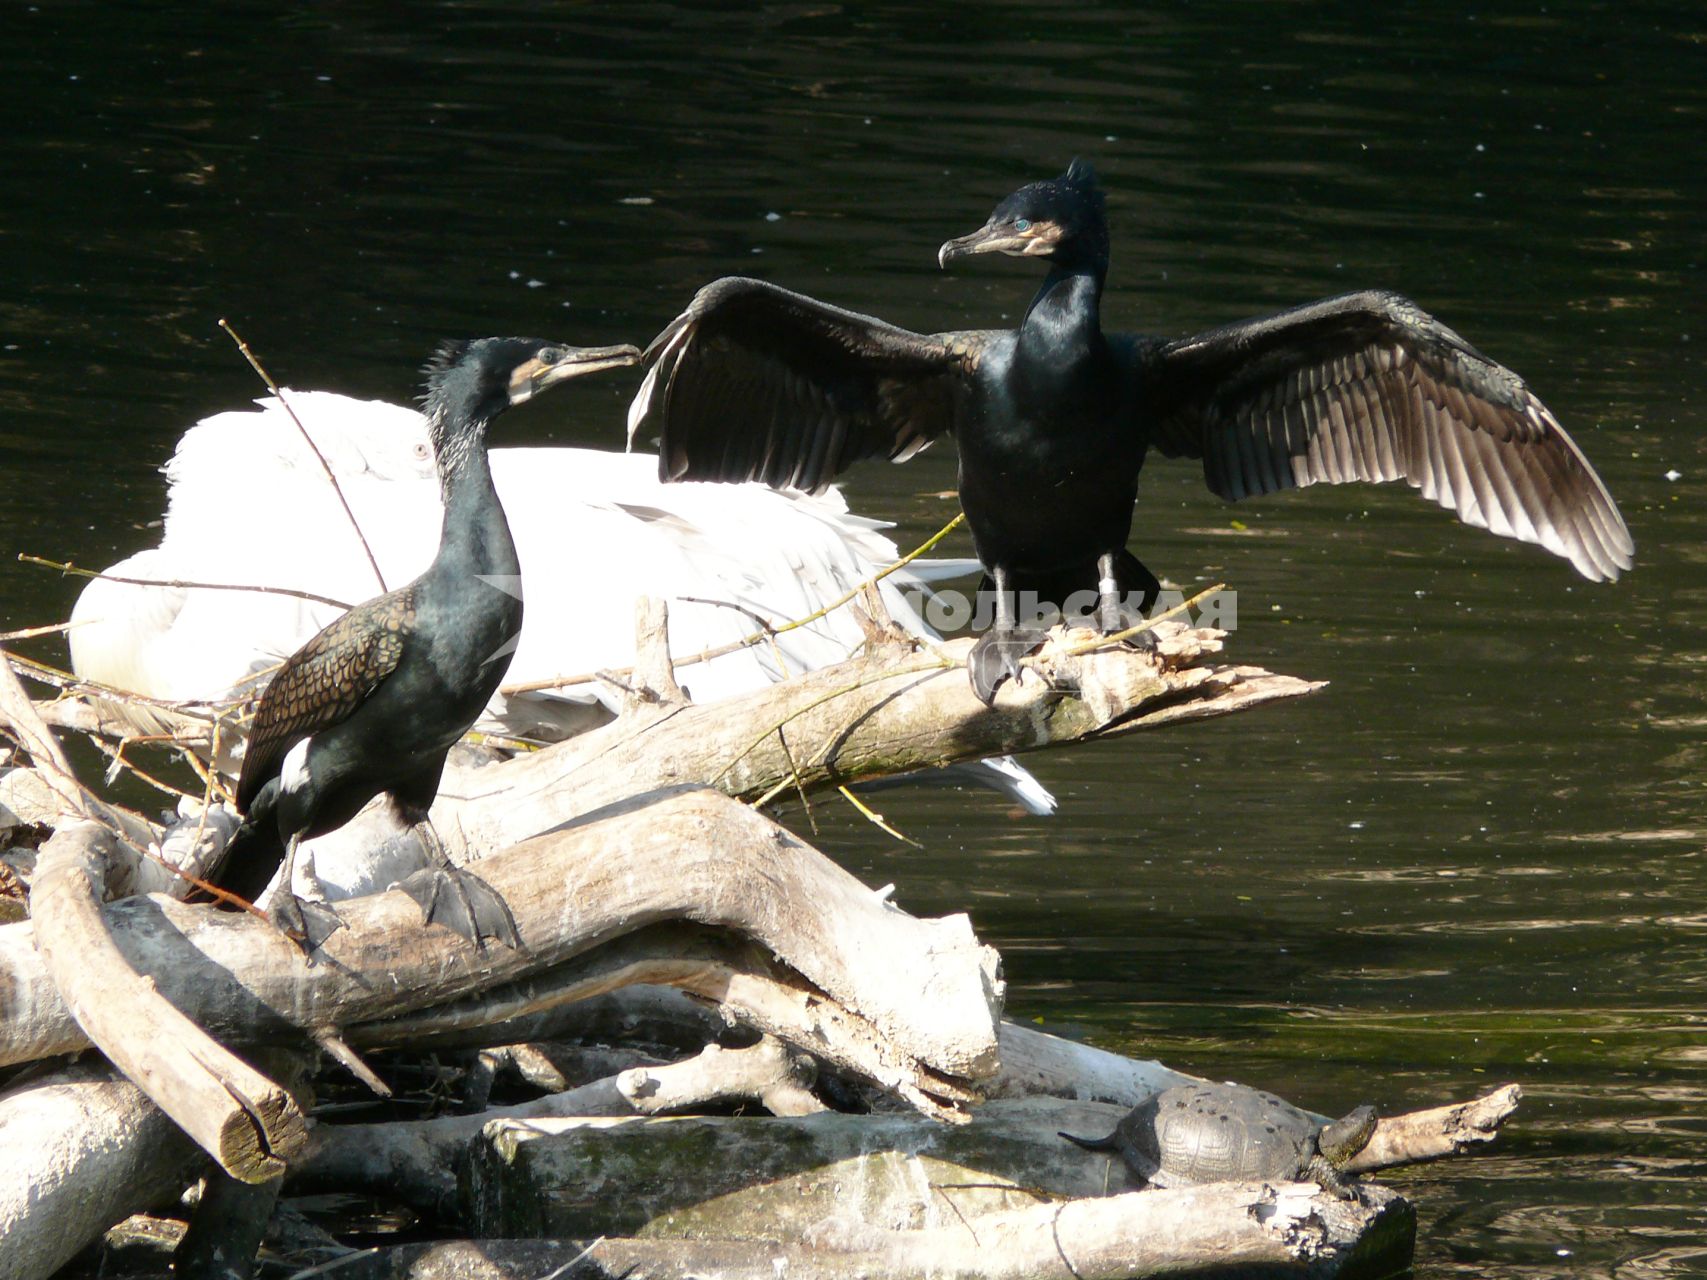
{"x":1213,"y":1133}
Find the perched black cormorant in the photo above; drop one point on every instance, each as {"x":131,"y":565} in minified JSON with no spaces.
{"x":1053,"y":419}
{"x":375,"y":701}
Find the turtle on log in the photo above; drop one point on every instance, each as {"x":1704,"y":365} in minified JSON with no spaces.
{"x":1226,"y":1132}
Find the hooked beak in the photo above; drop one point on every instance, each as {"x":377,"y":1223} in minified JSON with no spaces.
{"x":1038,"y":240}
{"x":537,"y":374}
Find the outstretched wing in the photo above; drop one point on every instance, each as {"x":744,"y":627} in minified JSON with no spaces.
{"x":323,"y":682}
{"x":753,"y":382}
{"x":1369,"y":386}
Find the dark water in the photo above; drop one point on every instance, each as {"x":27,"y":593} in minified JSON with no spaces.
{"x":1477,"y":857}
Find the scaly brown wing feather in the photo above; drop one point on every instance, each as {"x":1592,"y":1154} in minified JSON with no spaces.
{"x":1369,"y":386}
{"x":323,"y":682}
{"x":754,"y":382}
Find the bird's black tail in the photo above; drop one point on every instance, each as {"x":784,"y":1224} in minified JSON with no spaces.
{"x":253,"y":855}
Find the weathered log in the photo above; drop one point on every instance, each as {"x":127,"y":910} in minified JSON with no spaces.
{"x":722,"y":1177}
{"x":1109,"y":1246}
{"x":232,"y":1215}
{"x":737,"y":977}
{"x":79,"y":1150}
{"x":1436,"y":1133}
{"x":889,"y":712}
{"x":928,"y":988}
{"x":419,"y":1162}
{"x":1035,"y":1063}
{"x":584,"y":1004}
{"x":550,"y":1066}
{"x":237,"y":1115}
{"x":899,"y":1197}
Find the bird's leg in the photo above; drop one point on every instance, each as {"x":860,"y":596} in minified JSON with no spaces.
{"x":996,"y":655}
{"x":458,"y":899}
{"x":1112,"y":615}
{"x":306,"y":923}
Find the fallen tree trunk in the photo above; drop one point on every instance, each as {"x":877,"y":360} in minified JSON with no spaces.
{"x":421,"y":1162}
{"x":96,"y":1149}
{"x":1117,"y":1239}
{"x":237,"y":1115}
{"x":1436,"y":1133}
{"x":889,"y":712}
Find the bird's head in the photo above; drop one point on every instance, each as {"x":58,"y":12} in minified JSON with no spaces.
{"x":1060,"y":219}
{"x":474,"y":380}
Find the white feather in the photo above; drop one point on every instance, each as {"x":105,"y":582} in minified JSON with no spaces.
{"x":293,"y":773}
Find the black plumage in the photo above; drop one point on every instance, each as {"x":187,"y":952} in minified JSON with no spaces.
{"x":1053,"y":419}
{"x":374,"y":702}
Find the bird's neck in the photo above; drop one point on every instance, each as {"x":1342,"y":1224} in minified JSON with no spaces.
{"x":1062,"y":330}
{"x":475,"y":538}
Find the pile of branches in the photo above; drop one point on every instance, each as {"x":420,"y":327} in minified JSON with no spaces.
{"x":682,"y":953}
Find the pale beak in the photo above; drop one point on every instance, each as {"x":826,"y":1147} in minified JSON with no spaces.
{"x":1000,"y":237}
{"x":536,"y":375}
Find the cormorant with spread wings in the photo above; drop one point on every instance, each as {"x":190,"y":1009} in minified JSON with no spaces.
{"x":1053,"y":419}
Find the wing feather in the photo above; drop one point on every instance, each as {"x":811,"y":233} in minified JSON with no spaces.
{"x":754,"y":382}
{"x":1371,"y":387}
{"x":323,"y":682}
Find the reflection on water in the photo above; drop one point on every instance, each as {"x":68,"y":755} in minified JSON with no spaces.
{"x":1475,"y":857}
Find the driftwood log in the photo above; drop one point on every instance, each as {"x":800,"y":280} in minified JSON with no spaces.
{"x":79,"y":1150}
{"x":248,"y":1123}
{"x":1105,"y":1239}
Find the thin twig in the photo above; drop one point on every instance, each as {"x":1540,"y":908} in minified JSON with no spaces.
{"x":198,"y":885}
{"x":757,"y":637}
{"x":334,"y":1046}
{"x":765,"y":625}
{"x":116,"y":755}
{"x":278,"y":393}
{"x":877,"y":577}
{"x":18,"y":712}
{"x":831,"y":696}
{"x":30,"y":633}
{"x":769,"y":631}
{"x":335,"y":1264}
{"x":799,"y":784}
{"x":65,"y":566}
{"x":66,"y":682}
{"x":872,"y":816}
{"x":775,"y":791}
{"x":1102,"y":642}
{"x":207,"y":773}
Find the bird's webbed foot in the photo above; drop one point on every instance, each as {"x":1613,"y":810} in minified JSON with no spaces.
{"x":463,"y":902}
{"x":996,"y":657}
{"x":304,"y":922}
